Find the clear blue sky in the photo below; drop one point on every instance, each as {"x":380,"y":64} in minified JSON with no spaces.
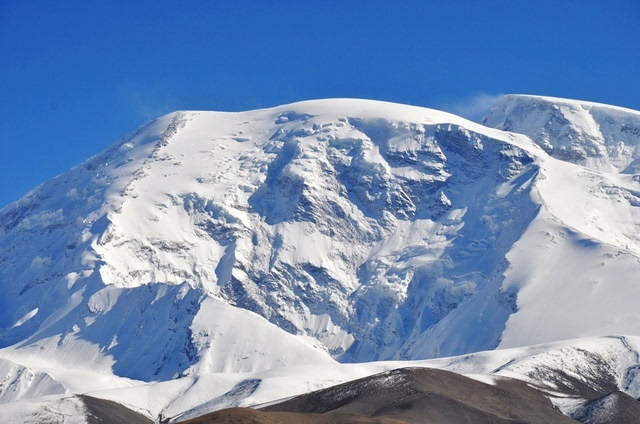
{"x":75,"y":76}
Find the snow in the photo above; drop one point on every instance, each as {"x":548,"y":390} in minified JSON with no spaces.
{"x":600,"y":137}
{"x":236,"y":340}
{"x":577,"y":103}
{"x":26,"y":317}
{"x":187,"y":397}
{"x":224,"y":259}
{"x":19,"y":382}
{"x":67,"y":410}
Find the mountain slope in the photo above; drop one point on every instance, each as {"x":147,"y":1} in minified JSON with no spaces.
{"x":429,"y":395}
{"x":229,"y":205}
{"x":595,"y":135}
{"x":362,"y":224}
{"x":571,"y":374}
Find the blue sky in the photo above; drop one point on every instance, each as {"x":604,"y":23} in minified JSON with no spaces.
{"x":75,"y":76}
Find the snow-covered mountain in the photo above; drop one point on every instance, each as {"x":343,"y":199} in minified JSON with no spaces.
{"x":333,"y":230}
{"x":598,"y":136}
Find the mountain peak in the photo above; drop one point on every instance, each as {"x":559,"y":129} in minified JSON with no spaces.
{"x":594,"y":135}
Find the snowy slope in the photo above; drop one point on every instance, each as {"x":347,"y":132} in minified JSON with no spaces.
{"x":309,"y":214}
{"x":348,"y":230}
{"x":63,"y":409}
{"x":572,"y":373}
{"x":19,"y":382}
{"x":598,"y":136}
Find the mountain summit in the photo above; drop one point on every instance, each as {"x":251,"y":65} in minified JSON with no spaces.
{"x":321,"y":231}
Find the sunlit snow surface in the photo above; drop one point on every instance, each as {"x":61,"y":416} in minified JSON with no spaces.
{"x":604,"y":363}
{"x":595,"y":135}
{"x":272,"y":243}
